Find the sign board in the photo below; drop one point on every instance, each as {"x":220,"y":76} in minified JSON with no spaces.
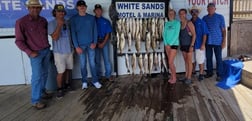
{"x":141,"y":9}
{"x":11,"y":10}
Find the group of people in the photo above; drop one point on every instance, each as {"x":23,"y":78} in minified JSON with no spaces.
{"x":88,"y":34}
{"x":197,"y":39}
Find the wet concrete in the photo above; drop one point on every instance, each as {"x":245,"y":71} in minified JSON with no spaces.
{"x":133,"y":98}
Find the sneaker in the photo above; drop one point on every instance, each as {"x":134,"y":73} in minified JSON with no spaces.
{"x":39,"y":105}
{"x":60,"y":94}
{"x":183,"y":79}
{"x":97,"y":85}
{"x":68,"y":88}
{"x":84,"y":85}
{"x":201,"y":77}
{"x":188,"y":81}
{"x":208,"y":75}
{"x":111,"y":79}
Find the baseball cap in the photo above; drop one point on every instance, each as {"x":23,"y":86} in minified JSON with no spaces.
{"x":211,"y":5}
{"x":97,"y":6}
{"x":59,"y":7}
{"x":81,"y":2}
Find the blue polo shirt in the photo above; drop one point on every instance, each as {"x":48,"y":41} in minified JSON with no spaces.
{"x":63,"y":45}
{"x":201,"y":30}
{"x":103,"y":27}
{"x":215,"y":24}
{"x":83,"y":30}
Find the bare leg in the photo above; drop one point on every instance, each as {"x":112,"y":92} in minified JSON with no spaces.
{"x":189,"y":65}
{"x":194,"y":67}
{"x":201,"y":66}
{"x":172,"y":54}
{"x":59,"y":80}
{"x":67,"y":76}
{"x":186,"y":64}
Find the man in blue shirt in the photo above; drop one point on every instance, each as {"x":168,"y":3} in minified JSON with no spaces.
{"x":62,"y":47}
{"x":201,"y":36}
{"x":104,"y":29}
{"x":84,"y":35}
{"x":216,"y":40}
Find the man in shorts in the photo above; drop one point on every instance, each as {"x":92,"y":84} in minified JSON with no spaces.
{"x":201,"y":36}
{"x":62,"y":48}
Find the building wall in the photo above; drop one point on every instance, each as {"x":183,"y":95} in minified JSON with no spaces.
{"x":241,"y":40}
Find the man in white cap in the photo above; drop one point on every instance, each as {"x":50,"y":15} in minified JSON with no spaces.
{"x":31,"y":37}
{"x":201,"y":36}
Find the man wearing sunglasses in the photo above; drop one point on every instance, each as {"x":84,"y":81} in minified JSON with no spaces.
{"x":201,"y":36}
{"x":62,"y":48}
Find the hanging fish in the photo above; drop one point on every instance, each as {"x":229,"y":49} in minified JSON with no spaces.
{"x":119,"y":26}
{"x":150,"y":63}
{"x":149,"y":25}
{"x":158,"y":44}
{"x":133,"y":29}
{"x":137,"y":28}
{"x":140,"y":63}
{"x":160,"y":28}
{"x":153,"y":43}
{"x":155,"y":62}
{"x":118,"y":40}
{"x":133,"y":63}
{"x":130,"y":25}
{"x":144,"y":29}
{"x":148,"y":42}
{"x":127,"y":62}
{"x":123,"y":25}
{"x":122,"y":42}
{"x":127,"y":26}
{"x":164,"y":61}
{"x":140,"y":27}
{"x":156,"y":28}
{"x":146,"y":66}
{"x":159,"y":61}
{"x":153,"y":26}
{"x":138,"y":42}
{"x":129,"y":41}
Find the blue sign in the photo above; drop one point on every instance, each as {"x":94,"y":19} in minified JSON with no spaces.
{"x":11,"y":10}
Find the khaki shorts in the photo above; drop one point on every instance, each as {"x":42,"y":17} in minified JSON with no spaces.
{"x":63,"y":62}
{"x":199,"y":56}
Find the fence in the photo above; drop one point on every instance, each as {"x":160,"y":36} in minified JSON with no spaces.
{"x":242,"y":9}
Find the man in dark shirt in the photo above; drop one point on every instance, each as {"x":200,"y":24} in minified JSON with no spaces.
{"x":31,"y":37}
{"x":102,"y":49}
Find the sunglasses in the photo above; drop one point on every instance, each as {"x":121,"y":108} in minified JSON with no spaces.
{"x":64,"y":27}
{"x":194,"y":11}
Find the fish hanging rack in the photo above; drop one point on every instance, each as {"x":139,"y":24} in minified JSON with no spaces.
{"x":136,"y":36}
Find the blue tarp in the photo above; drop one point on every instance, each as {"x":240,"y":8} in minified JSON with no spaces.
{"x":232,"y":73}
